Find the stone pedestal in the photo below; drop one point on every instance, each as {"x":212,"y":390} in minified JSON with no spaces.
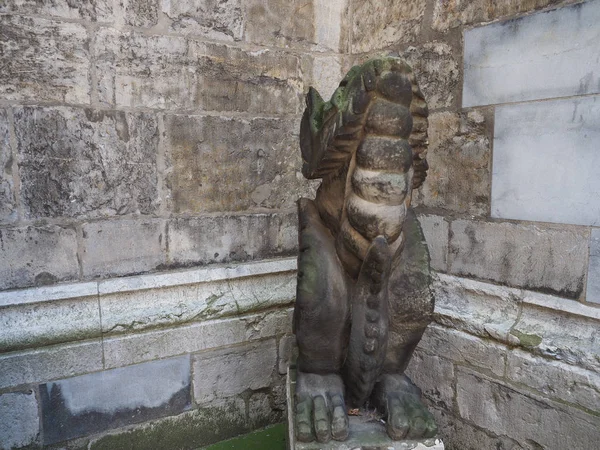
{"x":367,"y":431}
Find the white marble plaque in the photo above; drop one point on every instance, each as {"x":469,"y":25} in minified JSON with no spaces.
{"x":541,"y":56}
{"x":546,"y":162}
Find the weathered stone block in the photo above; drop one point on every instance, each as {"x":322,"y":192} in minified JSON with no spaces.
{"x":528,"y":419}
{"x":437,"y":72}
{"x":8,"y":207}
{"x":114,"y":398}
{"x":122,"y":247}
{"x":516,"y":60}
{"x":593,"y":277}
{"x":50,"y":363}
{"x":182,"y":74}
{"x":230,"y":372}
{"x":434,"y":376}
{"x":93,"y":10}
{"x":84,"y":163}
{"x":287,"y":353}
{"x":528,"y":256}
{"x":134,"y":348}
{"x":558,"y":138}
{"x":194,"y":429}
{"x":231,"y":238}
{"x":233,"y":164}
{"x":435,"y":229}
{"x":324,"y":72}
{"x":222,"y":20}
{"x":460,"y":435}
{"x":142,"y":307}
{"x":464,"y":348}
{"x":314,"y":24}
{"x":459,"y":158}
{"x":381,"y":24}
{"x":37,"y":255}
{"x":138,"y":13}
{"x":478,"y":308}
{"x":44,"y":60}
{"x":261,"y":412}
{"x":557,"y":335}
{"x":448,"y":15}
{"x":50,"y":322}
{"x":19,"y":422}
{"x":555,"y":379}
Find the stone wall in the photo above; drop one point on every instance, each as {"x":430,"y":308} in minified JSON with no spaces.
{"x":158,"y":141}
{"x":510,"y":211}
{"x":173,"y":124}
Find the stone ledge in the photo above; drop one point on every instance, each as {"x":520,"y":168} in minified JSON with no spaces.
{"x":176,"y":297}
{"x":532,"y":298}
{"x":192,"y":276}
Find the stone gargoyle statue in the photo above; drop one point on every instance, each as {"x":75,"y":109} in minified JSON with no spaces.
{"x":363,"y":293}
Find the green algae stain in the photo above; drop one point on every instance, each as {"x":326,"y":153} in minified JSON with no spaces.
{"x":270,"y":438}
{"x":527,"y":340}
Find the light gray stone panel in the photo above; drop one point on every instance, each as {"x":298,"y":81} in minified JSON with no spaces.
{"x":122,"y":247}
{"x":233,"y":164}
{"x":230,"y":372}
{"x":8,"y":207}
{"x":522,"y":255}
{"x":44,"y":60}
{"x":19,"y":421}
{"x":544,"y":55}
{"x":555,"y":379}
{"x":435,"y":229}
{"x":221,"y":239}
{"x":37,"y":255}
{"x":50,"y":363}
{"x":176,"y":73}
{"x":546,"y":161}
{"x":38,"y":324}
{"x":83,"y":163}
{"x":134,"y":348}
{"x":464,"y":348}
{"x":524,"y":417}
{"x":593,"y":278}
{"x":97,"y":402}
{"x":149,"y":308}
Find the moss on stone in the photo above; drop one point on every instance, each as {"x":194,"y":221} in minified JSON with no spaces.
{"x":189,"y":430}
{"x":270,"y":438}
{"x":527,"y":340}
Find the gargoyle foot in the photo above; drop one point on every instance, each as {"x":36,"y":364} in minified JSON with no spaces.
{"x":320,"y":408}
{"x":407,"y":416}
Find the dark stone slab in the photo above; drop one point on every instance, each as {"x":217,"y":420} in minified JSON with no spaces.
{"x":115,"y":398}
